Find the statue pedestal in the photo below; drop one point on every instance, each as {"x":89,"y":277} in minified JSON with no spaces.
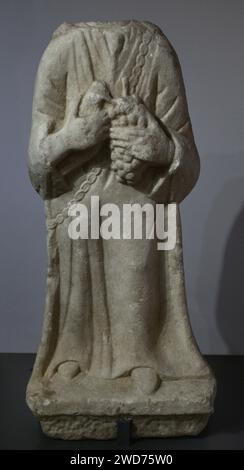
{"x":87,"y":408}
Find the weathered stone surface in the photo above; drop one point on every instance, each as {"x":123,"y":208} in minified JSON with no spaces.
{"x":105,"y":427}
{"x":91,"y":408}
{"x":110,"y":119}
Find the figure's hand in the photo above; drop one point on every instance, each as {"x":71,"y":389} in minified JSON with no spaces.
{"x":88,"y":122}
{"x":145,"y":144}
{"x":143,"y":135}
{"x":82,"y":133}
{"x":136,"y":140}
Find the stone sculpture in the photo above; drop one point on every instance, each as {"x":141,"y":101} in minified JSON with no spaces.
{"x":110,"y":118}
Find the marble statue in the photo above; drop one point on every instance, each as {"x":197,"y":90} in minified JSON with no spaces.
{"x":110,"y":119}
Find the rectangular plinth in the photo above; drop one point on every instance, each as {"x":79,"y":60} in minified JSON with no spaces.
{"x":90,"y":409}
{"x":105,"y":427}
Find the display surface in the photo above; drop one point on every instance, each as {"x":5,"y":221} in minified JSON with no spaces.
{"x":110,"y":121}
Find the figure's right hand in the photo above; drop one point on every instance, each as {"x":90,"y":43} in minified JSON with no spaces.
{"x":88,"y":121}
{"x":84,"y":132}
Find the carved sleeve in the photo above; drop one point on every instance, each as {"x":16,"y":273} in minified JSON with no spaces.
{"x":173,"y":184}
{"x":47,"y":118}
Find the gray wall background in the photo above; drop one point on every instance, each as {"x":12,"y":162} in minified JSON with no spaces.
{"x":208,"y":37}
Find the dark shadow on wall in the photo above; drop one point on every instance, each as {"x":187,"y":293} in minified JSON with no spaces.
{"x":229,"y":306}
{"x":221,"y":265}
{"x":228,"y":417}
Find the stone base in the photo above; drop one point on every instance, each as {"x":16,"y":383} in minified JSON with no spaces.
{"x":105,"y":427}
{"x":89,"y":409}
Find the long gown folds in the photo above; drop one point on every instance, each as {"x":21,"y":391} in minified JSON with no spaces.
{"x":113,"y":305}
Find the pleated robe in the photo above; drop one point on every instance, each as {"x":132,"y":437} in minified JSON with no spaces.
{"x":113,"y":305}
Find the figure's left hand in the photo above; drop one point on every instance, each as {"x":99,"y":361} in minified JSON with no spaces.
{"x":140,"y":138}
{"x":147,"y":142}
